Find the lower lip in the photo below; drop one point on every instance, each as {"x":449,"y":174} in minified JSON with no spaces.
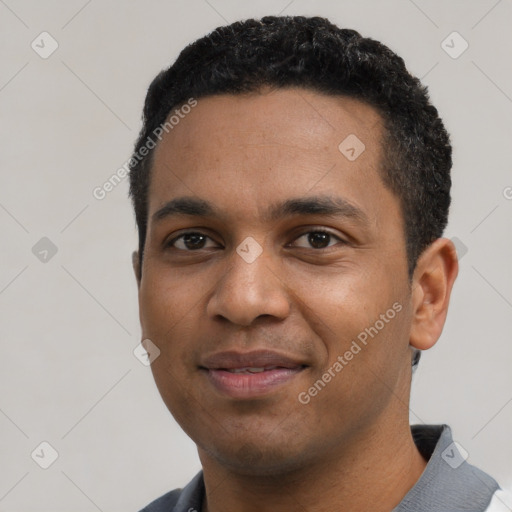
{"x":251,"y":385}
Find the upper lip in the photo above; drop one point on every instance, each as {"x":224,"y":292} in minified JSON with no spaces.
{"x":256,"y":359}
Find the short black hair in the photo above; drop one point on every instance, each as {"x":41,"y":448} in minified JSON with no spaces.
{"x":315,"y":54}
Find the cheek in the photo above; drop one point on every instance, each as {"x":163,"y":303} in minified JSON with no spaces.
{"x":363,"y":324}
{"x":340,"y":305}
{"x":169,"y":319}
{"x":165,"y":304}
{"x":172,"y":310}
{"x":173,"y":385}
{"x":370,"y":362}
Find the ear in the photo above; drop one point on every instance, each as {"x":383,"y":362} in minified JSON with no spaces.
{"x":136,"y":266}
{"x":433,"y":279}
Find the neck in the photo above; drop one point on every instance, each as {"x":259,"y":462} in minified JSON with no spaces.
{"x":372,"y":472}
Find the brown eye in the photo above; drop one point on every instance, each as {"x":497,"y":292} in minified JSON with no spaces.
{"x":318,"y":239}
{"x":191,"y":241}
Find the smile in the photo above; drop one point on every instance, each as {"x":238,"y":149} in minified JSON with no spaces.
{"x":250,"y":375}
{"x":250,"y":370}
{"x":248,"y":383}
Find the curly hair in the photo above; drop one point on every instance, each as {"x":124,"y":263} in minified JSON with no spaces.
{"x":315,"y":54}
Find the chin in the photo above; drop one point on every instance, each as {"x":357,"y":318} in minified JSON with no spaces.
{"x":258,"y":458}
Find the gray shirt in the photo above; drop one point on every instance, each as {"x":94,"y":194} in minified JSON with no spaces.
{"x":448,"y":483}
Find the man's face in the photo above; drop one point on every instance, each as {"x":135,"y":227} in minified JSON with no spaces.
{"x":254,"y":285}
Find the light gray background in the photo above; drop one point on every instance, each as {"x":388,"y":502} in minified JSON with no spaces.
{"x":68,"y":326}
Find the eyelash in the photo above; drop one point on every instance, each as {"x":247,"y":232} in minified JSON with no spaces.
{"x":170,"y":243}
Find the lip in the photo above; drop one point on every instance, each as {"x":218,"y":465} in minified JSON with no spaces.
{"x":278,"y":370}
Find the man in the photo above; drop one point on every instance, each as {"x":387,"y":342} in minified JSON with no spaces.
{"x":291,"y":185}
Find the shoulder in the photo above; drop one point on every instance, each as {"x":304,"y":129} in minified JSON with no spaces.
{"x":448,"y":482}
{"x":178,"y":500}
{"x":165,"y":503}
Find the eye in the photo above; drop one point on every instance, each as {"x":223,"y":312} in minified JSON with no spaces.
{"x":318,"y":239}
{"x":190,"y":241}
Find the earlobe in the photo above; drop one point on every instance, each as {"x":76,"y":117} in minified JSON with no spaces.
{"x":136,"y":266}
{"x":433,"y":280}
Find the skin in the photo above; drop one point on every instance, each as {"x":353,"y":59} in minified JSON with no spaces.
{"x":350,"y":447}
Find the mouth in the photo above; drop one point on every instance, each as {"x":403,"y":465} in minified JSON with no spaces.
{"x":251,"y":369}
{"x":250,"y":375}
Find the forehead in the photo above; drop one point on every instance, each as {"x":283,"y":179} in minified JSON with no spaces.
{"x":294,"y":116}
{"x":252,"y":148}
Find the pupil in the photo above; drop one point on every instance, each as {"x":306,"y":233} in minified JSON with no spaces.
{"x":318,"y":239}
{"x":194,"y":241}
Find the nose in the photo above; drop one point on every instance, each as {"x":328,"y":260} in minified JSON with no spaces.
{"x":247,"y":291}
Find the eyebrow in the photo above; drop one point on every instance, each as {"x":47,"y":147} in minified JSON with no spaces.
{"x":311,"y":205}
